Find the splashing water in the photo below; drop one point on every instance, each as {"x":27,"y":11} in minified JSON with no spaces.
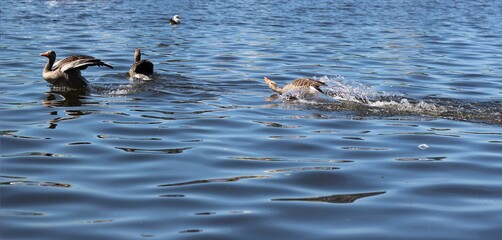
{"x":405,"y":106}
{"x":343,"y":95}
{"x":340,"y":89}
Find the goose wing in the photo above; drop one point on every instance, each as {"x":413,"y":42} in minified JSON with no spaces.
{"x":80,"y":62}
{"x":308,"y":82}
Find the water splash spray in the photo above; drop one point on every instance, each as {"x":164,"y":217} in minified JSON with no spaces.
{"x":343,"y":95}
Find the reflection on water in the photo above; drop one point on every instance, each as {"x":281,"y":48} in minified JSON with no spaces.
{"x":64,"y":99}
{"x":10,"y":133}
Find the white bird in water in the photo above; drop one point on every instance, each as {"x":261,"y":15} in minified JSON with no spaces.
{"x":175,"y":20}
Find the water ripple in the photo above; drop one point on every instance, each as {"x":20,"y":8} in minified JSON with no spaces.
{"x":41,"y":154}
{"x":163,"y":150}
{"x":411,"y":124}
{"x":338,"y":198}
{"x":301,"y":169}
{"x":214,"y":180}
{"x":36,"y":183}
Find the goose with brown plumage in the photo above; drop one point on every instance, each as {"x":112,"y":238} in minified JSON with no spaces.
{"x":307,"y":85}
{"x":312,"y":87}
{"x":141,"y":69}
{"x":66,"y":72}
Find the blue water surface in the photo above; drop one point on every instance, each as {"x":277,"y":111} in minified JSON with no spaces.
{"x":407,"y":146}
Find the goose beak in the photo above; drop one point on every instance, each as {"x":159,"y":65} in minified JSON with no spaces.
{"x":45,"y":54}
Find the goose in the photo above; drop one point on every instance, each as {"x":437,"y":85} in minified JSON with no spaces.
{"x":140,"y":68}
{"x":312,"y":86}
{"x":175,"y":20}
{"x":66,"y":72}
{"x":306,"y":84}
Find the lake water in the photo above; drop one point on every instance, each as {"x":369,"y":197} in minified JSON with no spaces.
{"x":205,"y":150}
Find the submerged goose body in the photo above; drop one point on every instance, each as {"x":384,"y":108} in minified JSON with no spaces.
{"x":67,"y":72}
{"x":301,"y":84}
{"x":140,"y":68}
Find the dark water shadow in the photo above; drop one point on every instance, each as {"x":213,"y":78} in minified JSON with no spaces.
{"x":339,"y":198}
{"x":35,"y":183}
{"x":5,"y":213}
{"x":153,"y":151}
{"x":446,"y":108}
{"x":422,"y":159}
{"x":302,"y":169}
{"x":213,"y":180}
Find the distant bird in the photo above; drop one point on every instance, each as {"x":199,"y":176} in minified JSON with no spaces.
{"x":175,"y":20}
{"x":141,"y":68}
{"x":66,"y":72}
{"x":306,"y":84}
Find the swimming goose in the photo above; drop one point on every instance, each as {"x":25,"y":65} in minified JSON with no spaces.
{"x":66,"y":72}
{"x":175,"y":20}
{"x":308,"y":84}
{"x":141,"y":68}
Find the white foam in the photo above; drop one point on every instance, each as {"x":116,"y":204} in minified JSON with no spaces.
{"x":339,"y":89}
{"x":405,"y":106}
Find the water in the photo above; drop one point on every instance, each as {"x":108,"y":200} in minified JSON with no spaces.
{"x":408,"y":146}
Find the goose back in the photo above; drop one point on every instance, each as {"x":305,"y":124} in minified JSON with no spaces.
{"x":142,"y":67}
{"x":304,"y":83}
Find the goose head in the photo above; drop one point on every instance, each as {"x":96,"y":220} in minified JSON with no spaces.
{"x":176,"y":19}
{"x":49,"y":54}
{"x":137,"y":55}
